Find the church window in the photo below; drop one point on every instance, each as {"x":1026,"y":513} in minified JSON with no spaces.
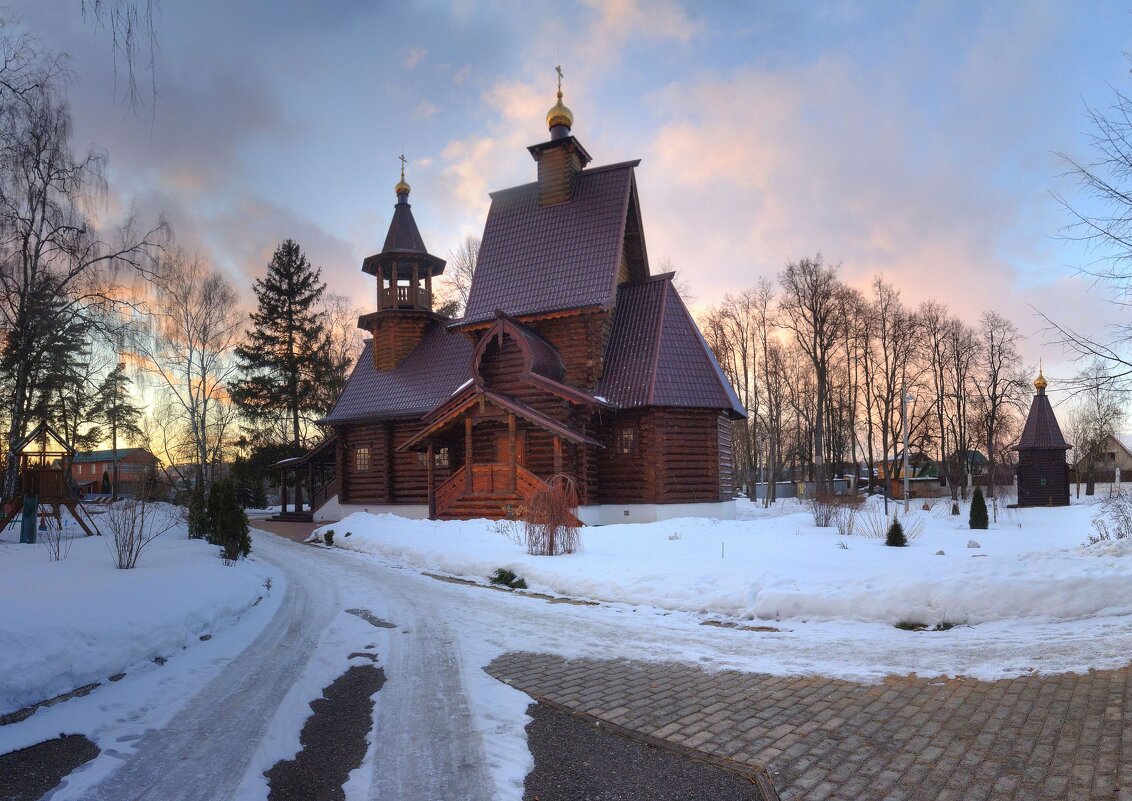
{"x":626,"y":439}
{"x":442,"y":458}
{"x":361,"y":459}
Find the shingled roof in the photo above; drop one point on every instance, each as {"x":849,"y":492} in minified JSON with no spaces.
{"x":564,"y":256}
{"x":656,"y":355}
{"x":436,"y":368}
{"x":403,"y":240}
{"x":1042,"y":431}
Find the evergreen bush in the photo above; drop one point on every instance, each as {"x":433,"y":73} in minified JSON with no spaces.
{"x":227,"y":522}
{"x":198,"y":514}
{"x":979,"y":517}
{"x":895,"y":536}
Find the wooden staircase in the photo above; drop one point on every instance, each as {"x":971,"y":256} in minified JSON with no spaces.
{"x":488,"y":493}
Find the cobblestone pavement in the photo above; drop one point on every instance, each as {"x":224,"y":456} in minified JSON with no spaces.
{"x":1064,"y":737}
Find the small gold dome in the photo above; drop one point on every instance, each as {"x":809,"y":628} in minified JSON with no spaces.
{"x":402,"y":188}
{"x":559,"y":114}
{"x":1040,"y":382}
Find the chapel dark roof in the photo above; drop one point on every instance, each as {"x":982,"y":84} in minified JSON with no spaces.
{"x":562,"y":256}
{"x":1042,"y":431}
{"x":436,"y":368}
{"x":656,"y":355}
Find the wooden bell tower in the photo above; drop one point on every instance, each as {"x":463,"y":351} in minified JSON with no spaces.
{"x":404,"y":270}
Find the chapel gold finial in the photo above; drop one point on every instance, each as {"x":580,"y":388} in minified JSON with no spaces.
{"x":402,"y":188}
{"x":1040,"y":382}
{"x":559,"y":115}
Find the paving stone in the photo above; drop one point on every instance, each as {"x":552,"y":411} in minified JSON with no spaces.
{"x":1035,"y":737}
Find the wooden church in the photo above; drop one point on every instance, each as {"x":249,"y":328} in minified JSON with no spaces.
{"x":571,"y":357}
{"x":1043,"y":474}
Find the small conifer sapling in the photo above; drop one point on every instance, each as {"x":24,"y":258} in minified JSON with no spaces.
{"x":895,"y":536}
{"x":979,"y":517}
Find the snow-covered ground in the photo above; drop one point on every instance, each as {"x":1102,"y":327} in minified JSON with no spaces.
{"x":776,"y":565}
{"x":67,"y":623}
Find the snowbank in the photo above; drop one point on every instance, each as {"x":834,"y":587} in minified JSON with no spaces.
{"x":778,"y":565}
{"x":69,"y":623}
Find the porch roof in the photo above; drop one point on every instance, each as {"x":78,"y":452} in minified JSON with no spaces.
{"x":448,"y":413}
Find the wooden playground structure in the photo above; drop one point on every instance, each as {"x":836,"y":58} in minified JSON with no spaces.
{"x":45,"y":482}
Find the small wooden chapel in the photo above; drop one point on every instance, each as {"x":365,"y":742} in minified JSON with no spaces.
{"x":1043,"y":474}
{"x":571,"y":357}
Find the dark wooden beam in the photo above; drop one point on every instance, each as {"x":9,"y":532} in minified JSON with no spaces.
{"x":431,"y":483}
{"x":467,"y":454}
{"x":511,"y":449}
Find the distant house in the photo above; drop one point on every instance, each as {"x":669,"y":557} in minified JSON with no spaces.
{"x":1116,"y":455}
{"x":93,"y":471}
{"x":923,"y":476}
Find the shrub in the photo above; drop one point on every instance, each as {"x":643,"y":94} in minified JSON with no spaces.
{"x":824,"y":508}
{"x":133,"y":524}
{"x":197,"y":514}
{"x":551,"y":525}
{"x":1113,"y":521}
{"x":895,"y":536}
{"x":506,"y":578}
{"x":227,"y":522}
{"x":979,"y":517}
{"x":845,"y":519}
{"x":328,"y":536}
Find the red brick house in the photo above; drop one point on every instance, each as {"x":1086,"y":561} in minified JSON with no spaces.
{"x":571,"y":358}
{"x":93,"y":472}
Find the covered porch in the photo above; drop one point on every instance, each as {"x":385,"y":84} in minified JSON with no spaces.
{"x":499,"y":452}
{"x":317,"y":469}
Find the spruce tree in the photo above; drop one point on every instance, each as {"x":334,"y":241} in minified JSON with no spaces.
{"x":198,"y":513}
{"x":979,"y":517}
{"x":895,"y":536}
{"x":227,"y":522}
{"x":286,"y":354}
{"x":114,"y":408}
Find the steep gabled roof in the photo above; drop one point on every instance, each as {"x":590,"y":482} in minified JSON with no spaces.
{"x":436,"y":368}
{"x":656,"y":355}
{"x":1042,"y":431}
{"x":564,"y":256}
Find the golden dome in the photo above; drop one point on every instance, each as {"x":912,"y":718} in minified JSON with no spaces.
{"x":1040,"y":382}
{"x":402,"y":188}
{"x":559,"y":114}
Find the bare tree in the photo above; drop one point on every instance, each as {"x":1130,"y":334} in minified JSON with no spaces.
{"x":56,"y":272}
{"x":133,"y":38}
{"x":1000,"y":386}
{"x":811,"y":305}
{"x":1102,"y":222}
{"x":1097,"y":412}
{"x":458,"y":274}
{"x":894,"y":343}
{"x":191,"y":327}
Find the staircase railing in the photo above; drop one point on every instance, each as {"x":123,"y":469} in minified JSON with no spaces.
{"x":448,"y":493}
{"x":488,"y":481}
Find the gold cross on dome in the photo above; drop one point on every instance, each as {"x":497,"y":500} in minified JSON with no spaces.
{"x":558,"y":69}
{"x":403,"y":162}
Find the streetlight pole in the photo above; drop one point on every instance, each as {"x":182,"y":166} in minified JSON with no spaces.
{"x":904,"y":421}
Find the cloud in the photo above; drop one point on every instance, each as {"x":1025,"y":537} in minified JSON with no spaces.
{"x":414,"y":56}
{"x":461,"y":74}
{"x":424,"y":110}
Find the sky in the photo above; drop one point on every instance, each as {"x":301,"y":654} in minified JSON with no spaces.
{"x":914,"y":140}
